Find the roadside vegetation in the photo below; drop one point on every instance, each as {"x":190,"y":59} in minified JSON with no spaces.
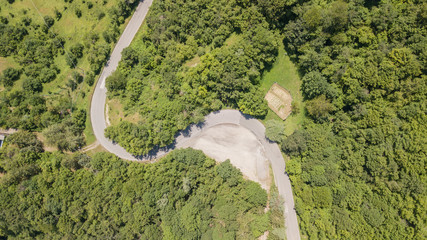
{"x":50,"y":55}
{"x":189,"y":59}
{"x":185,"y":195}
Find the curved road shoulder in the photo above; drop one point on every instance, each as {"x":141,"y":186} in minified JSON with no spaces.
{"x":273,"y":153}
{"x":97,"y":108}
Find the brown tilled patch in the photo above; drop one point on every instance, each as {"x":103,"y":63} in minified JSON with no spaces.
{"x":279,"y":100}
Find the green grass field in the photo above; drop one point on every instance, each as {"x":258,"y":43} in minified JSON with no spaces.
{"x":285,"y":73}
{"x":74,"y":30}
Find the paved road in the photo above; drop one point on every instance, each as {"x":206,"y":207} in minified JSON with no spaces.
{"x":97,"y":113}
{"x":272,"y":151}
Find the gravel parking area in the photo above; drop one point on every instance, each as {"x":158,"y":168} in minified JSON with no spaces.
{"x":230,"y":141}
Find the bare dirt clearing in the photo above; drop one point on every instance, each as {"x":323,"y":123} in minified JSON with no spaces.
{"x":279,"y":100}
{"x":241,"y":146}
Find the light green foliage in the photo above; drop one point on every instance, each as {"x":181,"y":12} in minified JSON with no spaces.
{"x":275,"y":130}
{"x":67,"y":135}
{"x":253,"y":103}
{"x":98,"y":55}
{"x":67,"y":195}
{"x":168,"y":93}
{"x":49,"y":61}
{"x":319,"y":108}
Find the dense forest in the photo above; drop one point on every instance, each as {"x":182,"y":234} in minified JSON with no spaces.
{"x":358,"y":164}
{"x":49,"y":58}
{"x":358,"y":161}
{"x":191,"y":58}
{"x":186,"y":195}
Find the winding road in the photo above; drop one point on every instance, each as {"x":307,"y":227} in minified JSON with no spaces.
{"x":272,"y":150}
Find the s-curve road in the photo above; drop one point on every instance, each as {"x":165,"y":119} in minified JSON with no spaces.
{"x":272,"y":150}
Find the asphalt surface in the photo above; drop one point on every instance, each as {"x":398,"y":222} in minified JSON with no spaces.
{"x":272,"y":150}
{"x":97,"y":109}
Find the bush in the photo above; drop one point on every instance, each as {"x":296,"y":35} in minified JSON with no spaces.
{"x":77,"y":50}
{"x":90,"y":78}
{"x":72,"y":84}
{"x":77,"y":77}
{"x":275,"y":130}
{"x":253,"y":103}
{"x":9,"y":76}
{"x":78,"y":12}
{"x":58,"y":14}
{"x":47,"y":75}
{"x":115,"y":82}
{"x":32,"y":85}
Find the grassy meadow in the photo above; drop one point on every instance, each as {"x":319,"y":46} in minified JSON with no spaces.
{"x":285,"y":73}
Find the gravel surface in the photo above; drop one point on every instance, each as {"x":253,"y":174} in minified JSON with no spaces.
{"x":239,"y":145}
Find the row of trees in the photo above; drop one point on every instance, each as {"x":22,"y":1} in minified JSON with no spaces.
{"x":191,"y":58}
{"x":183,"y":196}
{"x":358,"y":164}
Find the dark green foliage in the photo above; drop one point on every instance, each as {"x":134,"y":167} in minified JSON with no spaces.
{"x":32,"y":85}
{"x":78,"y":12}
{"x":10,"y":37}
{"x":9,"y":76}
{"x":295,"y":144}
{"x":89,"y":78}
{"x":188,"y":63}
{"x":111,"y":34}
{"x":4,"y":20}
{"x":89,"y":4}
{"x":79,"y":119}
{"x":49,"y":21}
{"x":58,"y":14}
{"x":47,"y":75}
{"x":358,"y":170}
{"x":19,"y":156}
{"x":77,"y":50}
{"x":36,"y":54}
{"x":180,"y":197}
{"x":115,"y":82}
{"x":314,"y":84}
{"x":319,"y":108}
{"x":27,"y":21}
{"x":229,"y":173}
